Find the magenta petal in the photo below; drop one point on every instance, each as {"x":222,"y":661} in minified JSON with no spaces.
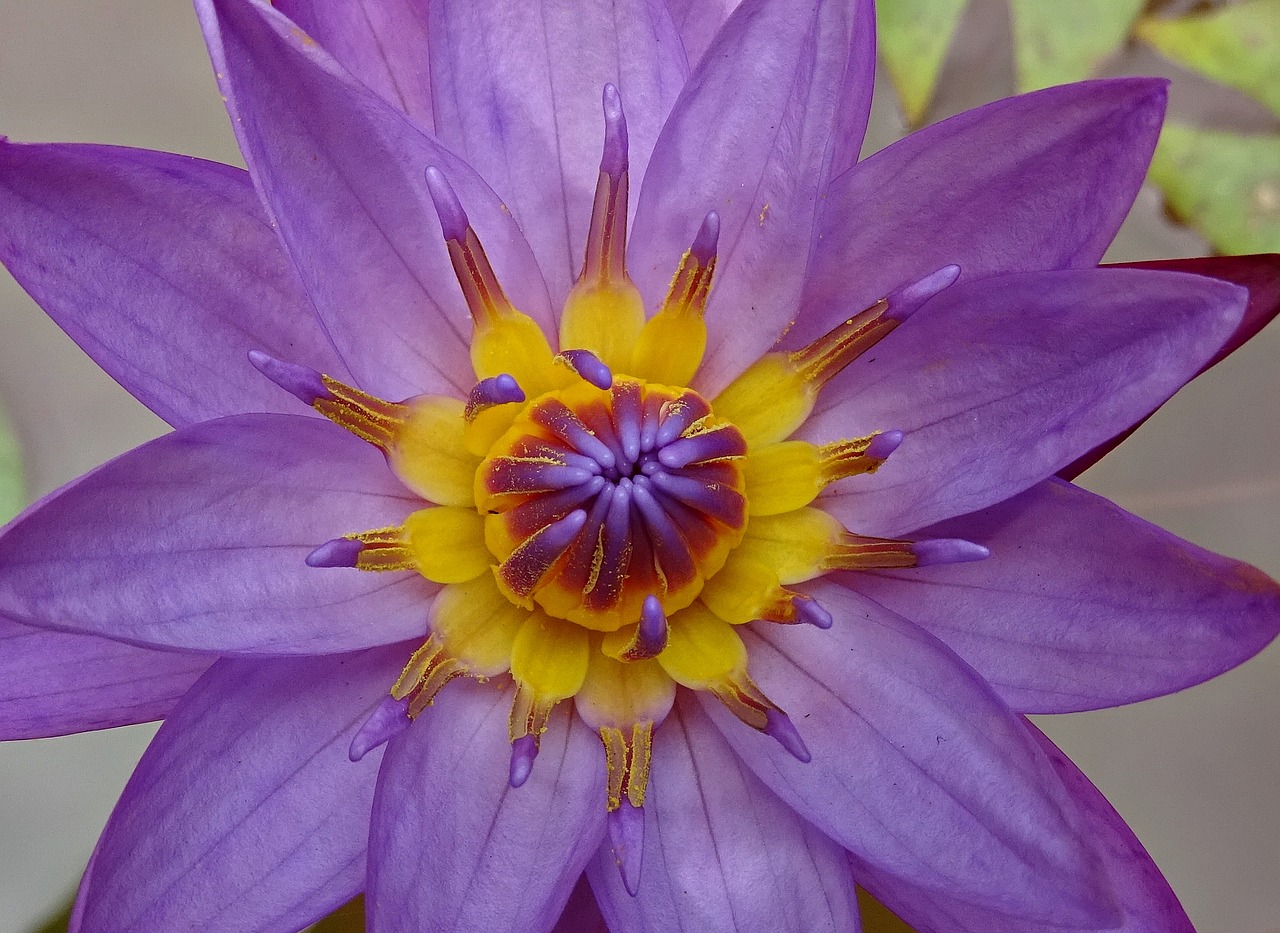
{"x":455,"y":847}
{"x":1143,"y":896}
{"x":245,"y":812}
{"x":721,"y":851}
{"x":899,"y":727}
{"x":1036,"y":182}
{"x":198,"y":540}
{"x":341,"y":173}
{"x":1259,"y":274}
{"x":698,"y":22}
{"x":163,"y":268}
{"x":1082,"y":605}
{"x":381,"y":42}
{"x":1000,"y":382}
{"x":56,"y":683}
{"x":517,"y":87}
{"x":781,"y":96}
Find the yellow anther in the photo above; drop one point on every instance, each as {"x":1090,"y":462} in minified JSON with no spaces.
{"x":549,"y":663}
{"x":627,"y":756}
{"x":430,"y":454}
{"x":428,"y":671}
{"x":445,"y":545}
{"x":366,"y":416}
{"x":672,"y":343}
{"x":790,"y":474}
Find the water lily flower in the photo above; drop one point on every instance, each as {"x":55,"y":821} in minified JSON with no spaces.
{"x":583,"y":466}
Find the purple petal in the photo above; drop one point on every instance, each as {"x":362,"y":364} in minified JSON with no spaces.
{"x":581,"y":914}
{"x":56,"y":683}
{"x":781,"y":96}
{"x":199,"y":539}
{"x":341,"y":173}
{"x":517,"y":94}
{"x":721,"y":851}
{"x":163,"y":268}
{"x":1082,"y":605}
{"x":1000,"y":382}
{"x":698,"y":22}
{"x":383,"y":43}
{"x":454,"y":847}
{"x":245,"y":812}
{"x":900,"y":727}
{"x":1260,"y":274}
{"x":1143,"y":896}
{"x":1030,"y":183}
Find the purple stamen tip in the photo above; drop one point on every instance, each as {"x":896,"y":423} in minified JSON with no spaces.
{"x":388,"y":719}
{"x":652,"y":631}
{"x":340,"y":552}
{"x":496,"y":390}
{"x":302,"y":382}
{"x":453,"y":219}
{"x":809,"y":610}
{"x":907,"y":300}
{"x":884,"y":444}
{"x":589,"y":366}
{"x":614,"y":160}
{"x":626,"y":836}
{"x":947,"y":551}
{"x":778,"y":725}
{"x":523,"y":751}
{"x":704,"y":244}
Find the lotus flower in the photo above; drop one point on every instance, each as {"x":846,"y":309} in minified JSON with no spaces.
{"x":582,"y":467}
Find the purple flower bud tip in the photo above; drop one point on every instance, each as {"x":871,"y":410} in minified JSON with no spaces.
{"x":340,"y":552}
{"x":626,"y":836}
{"x":884,"y":444}
{"x":614,"y":160}
{"x":947,"y":551}
{"x":704,"y":244}
{"x":523,"y":751}
{"x":589,"y":366}
{"x":301,"y":382}
{"x":778,"y":725}
{"x":809,"y":610}
{"x":907,"y":300}
{"x":501,"y":389}
{"x":388,"y":719}
{"x":453,"y":219}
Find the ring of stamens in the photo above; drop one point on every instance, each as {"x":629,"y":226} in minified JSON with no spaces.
{"x":597,"y":499}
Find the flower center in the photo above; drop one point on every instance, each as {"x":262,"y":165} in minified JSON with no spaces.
{"x":596,"y":499}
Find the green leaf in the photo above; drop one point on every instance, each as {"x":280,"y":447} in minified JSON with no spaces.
{"x":1225,"y":185}
{"x":1058,"y":41}
{"x":913,"y":37}
{"x":876,"y":918}
{"x":1235,"y":45}
{"x":13,"y":493}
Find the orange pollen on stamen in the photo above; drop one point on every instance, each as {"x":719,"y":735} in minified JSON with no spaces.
{"x":842,"y":459}
{"x":426,"y":674}
{"x":366,"y":416}
{"x":825,"y":357}
{"x":480,"y":286}
{"x":854,"y":552}
{"x":627,"y":758}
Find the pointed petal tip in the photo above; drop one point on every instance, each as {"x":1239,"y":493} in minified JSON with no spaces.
{"x":338,"y":552}
{"x":884,"y":444}
{"x":908,"y":299}
{"x":937,"y":551}
{"x":388,"y":719}
{"x":809,"y":611}
{"x":453,"y":219}
{"x":588,"y":366}
{"x":780,"y":728}
{"x":302,"y":382}
{"x":626,"y":837}
{"x":523,"y":752}
{"x":707,"y":239}
{"x":613,"y":161}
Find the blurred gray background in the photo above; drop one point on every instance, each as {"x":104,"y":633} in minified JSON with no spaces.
{"x":1197,"y":775}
